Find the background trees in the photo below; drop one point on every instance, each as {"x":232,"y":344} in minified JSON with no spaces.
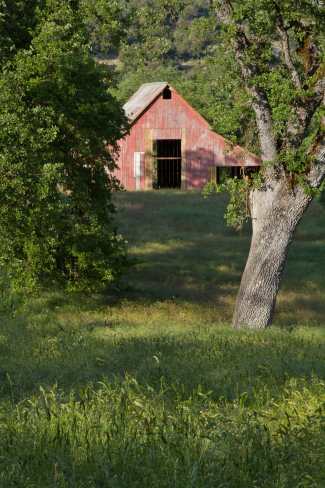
{"x":59,"y":127}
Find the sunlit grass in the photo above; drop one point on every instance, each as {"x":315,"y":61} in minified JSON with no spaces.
{"x":148,"y":385}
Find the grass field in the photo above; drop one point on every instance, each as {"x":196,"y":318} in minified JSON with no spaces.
{"x":148,"y":386}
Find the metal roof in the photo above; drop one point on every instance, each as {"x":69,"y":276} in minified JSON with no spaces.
{"x":142,"y":98}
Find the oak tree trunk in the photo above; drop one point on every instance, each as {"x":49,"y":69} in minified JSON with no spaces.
{"x":276,"y":212}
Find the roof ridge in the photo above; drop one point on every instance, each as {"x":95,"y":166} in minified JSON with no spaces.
{"x":140,"y":100}
{"x":155,"y":83}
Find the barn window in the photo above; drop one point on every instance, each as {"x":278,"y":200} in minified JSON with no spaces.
{"x":167,"y":163}
{"x":167,"y":94}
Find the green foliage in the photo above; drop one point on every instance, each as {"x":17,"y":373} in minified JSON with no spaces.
{"x":17,"y":22}
{"x":57,"y":141}
{"x":8,"y":300}
{"x":171,"y":30}
{"x":270,"y":73}
{"x":238,"y":210}
{"x":195,"y":31}
{"x":297,"y":166}
{"x":150,"y":34}
{"x":261,"y":18}
{"x":108,"y":23}
{"x":232,"y":115}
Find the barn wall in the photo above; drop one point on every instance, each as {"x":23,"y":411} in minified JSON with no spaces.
{"x":167,"y":118}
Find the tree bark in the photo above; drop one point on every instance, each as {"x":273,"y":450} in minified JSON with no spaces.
{"x":276,"y":212}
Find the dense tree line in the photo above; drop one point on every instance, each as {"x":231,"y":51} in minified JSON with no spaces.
{"x":183,"y":22}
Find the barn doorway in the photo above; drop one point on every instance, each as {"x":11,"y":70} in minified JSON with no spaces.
{"x":167,"y":163}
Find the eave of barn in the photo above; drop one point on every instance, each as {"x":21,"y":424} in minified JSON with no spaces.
{"x":153,"y":118}
{"x":142,"y":98}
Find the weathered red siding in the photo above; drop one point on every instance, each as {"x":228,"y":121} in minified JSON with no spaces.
{"x":167,"y":118}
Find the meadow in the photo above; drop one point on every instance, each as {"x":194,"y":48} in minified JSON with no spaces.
{"x":147,"y":385}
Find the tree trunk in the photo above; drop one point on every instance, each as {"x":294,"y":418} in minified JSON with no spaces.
{"x":276,"y":212}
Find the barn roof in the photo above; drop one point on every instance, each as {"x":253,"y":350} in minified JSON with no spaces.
{"x":142,"y":98}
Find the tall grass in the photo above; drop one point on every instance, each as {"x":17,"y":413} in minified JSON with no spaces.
{"x":148,"y":386}
{"x":125,"y":434}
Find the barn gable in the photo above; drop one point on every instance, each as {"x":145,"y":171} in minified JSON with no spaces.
{"x":142,"y":98}
{"x":171,"y":145}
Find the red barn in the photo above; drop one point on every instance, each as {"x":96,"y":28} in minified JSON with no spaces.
{"x":171,"y":146}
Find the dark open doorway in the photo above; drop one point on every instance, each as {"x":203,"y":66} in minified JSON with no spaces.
{"x":167,"y":163}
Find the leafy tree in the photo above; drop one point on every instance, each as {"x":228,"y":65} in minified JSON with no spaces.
{"x":279,"y":51}
{"x":108,"y":23}
{"x":231,"y":114}
{"x":167,"y":30}
{"x":58,"y":133}
{"x":150,"y":36}
{"x":194,"y":31}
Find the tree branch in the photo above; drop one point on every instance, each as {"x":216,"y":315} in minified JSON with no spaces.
{"x":317,"y":172}
{"x":287,"y":55}
{"x":304,"y":107}
{"x":260,"y":103}
{"x":317,"y":149}
{"x":308,"y":50}
{"x":303,"y":111}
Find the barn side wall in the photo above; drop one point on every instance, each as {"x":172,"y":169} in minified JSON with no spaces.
{"x":167,"y":118}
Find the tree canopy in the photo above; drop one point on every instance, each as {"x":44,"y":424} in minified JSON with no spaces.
{"x":58,"y":133}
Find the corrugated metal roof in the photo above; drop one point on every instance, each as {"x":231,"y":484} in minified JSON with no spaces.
{"x":142,"y":98}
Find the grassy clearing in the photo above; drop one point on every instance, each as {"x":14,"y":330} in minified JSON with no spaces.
{"x":149,"y":386}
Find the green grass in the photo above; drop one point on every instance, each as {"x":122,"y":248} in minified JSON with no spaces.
{"x":148,"y":386}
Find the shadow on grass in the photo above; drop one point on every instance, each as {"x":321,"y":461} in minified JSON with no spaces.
{"x":185,"y":251}
{"x":187,"y":281}
{"x":201,"y":259}
{"x":229,"y":362}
